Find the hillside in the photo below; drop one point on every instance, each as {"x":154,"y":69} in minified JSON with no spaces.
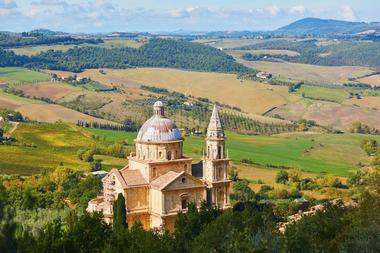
{"x":316,"y":26}
{"x":45,"y":146}
{"x":314,"y":153}
{"x":327,"y":52}
{"x":155,"y":53}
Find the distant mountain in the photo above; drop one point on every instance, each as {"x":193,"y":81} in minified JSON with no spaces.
{"x":316,"y":26}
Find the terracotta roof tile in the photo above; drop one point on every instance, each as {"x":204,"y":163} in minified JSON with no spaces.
{"x":162,"y":181}
{"x":133,"y":177}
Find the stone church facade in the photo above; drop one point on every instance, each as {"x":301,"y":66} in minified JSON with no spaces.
{"x":160,"y":180}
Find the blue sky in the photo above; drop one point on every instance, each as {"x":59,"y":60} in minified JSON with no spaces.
{"x":172,"y":15}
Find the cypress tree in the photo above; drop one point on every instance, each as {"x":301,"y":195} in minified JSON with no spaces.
{"x":119,"y":213}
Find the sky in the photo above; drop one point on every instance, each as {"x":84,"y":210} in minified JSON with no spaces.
{"x":93,"y":16}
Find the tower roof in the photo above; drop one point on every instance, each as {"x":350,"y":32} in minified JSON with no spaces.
{"x":215,"y":128}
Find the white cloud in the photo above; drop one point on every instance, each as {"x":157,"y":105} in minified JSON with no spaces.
{"x":347,"y":13}
{"x":7,"y":4}
{"x":32,"y":12}
{"x":4,"y":12}
{"x":273,"y":10}
{"x":188,"y":12}
{"x":297,"y":9}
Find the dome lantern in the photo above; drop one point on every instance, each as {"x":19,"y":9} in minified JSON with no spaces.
{"x":158,"y":109}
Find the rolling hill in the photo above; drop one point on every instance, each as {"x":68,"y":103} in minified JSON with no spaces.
{"x":316,"y":26}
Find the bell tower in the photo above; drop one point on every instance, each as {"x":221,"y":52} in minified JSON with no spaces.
{"x":216,"y":163}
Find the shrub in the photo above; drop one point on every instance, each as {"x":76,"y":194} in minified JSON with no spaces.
{"x":295,"y":175}
{"x":233,"y":174}
{"x":329,"y":181}
{"x":88,"y":156}
{"x":96,"y":165}
{"x":282,"y":177}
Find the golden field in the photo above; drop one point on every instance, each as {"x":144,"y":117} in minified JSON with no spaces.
{"x":371,"y":80}
{"x":307,"y":72}
{"x":44,"y":112}
{"x":252,"y":97}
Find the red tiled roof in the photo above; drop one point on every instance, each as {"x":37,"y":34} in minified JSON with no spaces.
{"x":164,"y":180}
{"x":133,"y":177}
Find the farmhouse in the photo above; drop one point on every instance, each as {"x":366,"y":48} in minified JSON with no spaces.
{"x":160,"y":180}
{"x":264,"y":75}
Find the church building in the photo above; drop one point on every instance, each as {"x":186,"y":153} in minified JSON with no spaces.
{"x":160,"y":180}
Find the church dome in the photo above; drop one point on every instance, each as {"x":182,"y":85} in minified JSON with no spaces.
{"x":158,"y":128}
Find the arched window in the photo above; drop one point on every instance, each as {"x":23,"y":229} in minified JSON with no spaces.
{"x":169,"y":155}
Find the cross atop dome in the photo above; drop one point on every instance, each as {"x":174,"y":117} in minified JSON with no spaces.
{"x":215,"y":129}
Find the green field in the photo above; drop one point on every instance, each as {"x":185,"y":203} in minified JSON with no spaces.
{"x":113,"y":136}
{"x":16,"y":75}
{"x":41,"y":146}
{"x":317,"y":153}
{"x":320,"y":153}
{"x":45,"y":146}
{"x":322,"y":93}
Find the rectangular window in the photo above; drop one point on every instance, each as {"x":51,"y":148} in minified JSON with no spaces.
{"x":184,"y":203}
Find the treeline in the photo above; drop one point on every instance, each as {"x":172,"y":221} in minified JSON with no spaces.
{"x":344,"y":53}
{"x":194,"y":115}
{"x":34,"y":38}
{"x":250,"y":226}
{"x":265,"y":57}
{"x":10,"y":59}
{"x":156,"y":53}
{"x":128,"y":125}
{"x":247,"y":125}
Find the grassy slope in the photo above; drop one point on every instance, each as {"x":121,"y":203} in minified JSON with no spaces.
{"x":14,"y":75}
{"x":326,"y":113}
{"x":321,"y":93}
{"x":307,"y":72}
{"x":44,"y":112}
{"x":54,"y":144}
{"x":336,"y":154}
{"x":113,"y":136}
